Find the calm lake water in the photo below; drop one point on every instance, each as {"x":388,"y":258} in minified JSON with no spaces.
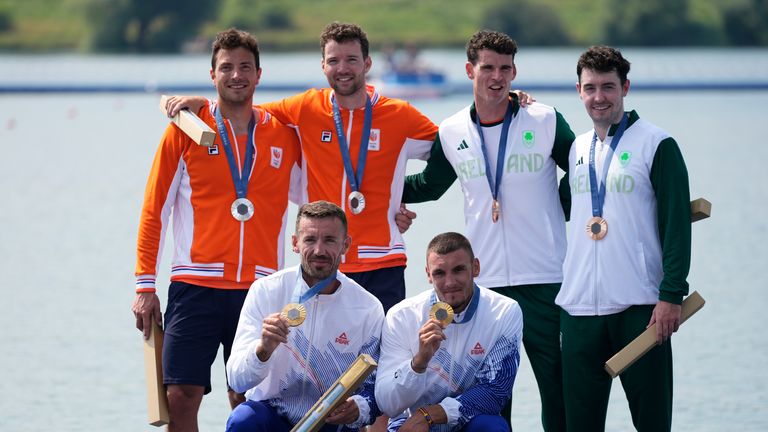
{"x":73,"y":169}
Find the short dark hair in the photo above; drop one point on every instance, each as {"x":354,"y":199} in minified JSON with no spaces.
{"x":321,"y":210}
{"x":233,"y":38}
{"x":490,"y":40}
{"x":603,"y":59}
{"x":344,"y":32}
{"x":448,"y":242}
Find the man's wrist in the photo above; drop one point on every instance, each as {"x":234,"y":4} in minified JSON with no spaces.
{"x":427,"y":417}
{"x":418,"y":369}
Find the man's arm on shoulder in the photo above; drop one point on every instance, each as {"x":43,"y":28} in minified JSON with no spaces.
{"x":564,"y":138}
{"x":433,"y":181}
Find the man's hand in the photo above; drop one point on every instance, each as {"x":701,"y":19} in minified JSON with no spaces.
{"x":524,"y":98}
{"x":176,"y":103}
{"x":146,"y":307}
{"x":346,"y":413}
{"x":415,"y":423}
{"x":667,"y":318}
{"x":430,"y":337}
{"x":274,"y":331}
{"x":404,"y":218}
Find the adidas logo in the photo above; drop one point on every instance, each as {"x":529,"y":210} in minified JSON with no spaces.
{"x":342,"y":339}
{"x":580,"y":161}
{"x":463,"y":145}
{"x":478,"y":349}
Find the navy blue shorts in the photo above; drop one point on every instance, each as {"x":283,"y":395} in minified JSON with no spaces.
{"x":387,"y":284}
{"x":197,"y":321}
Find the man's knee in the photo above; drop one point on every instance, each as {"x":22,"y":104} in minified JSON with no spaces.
{"x":184,"y":397}
{"x":487,"y":423}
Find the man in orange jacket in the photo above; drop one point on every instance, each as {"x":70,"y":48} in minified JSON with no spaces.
{"x":229,"y":204}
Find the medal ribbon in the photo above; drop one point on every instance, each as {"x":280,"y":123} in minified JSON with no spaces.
{"x":311,"y":292}
{"x":240,"y":180}
{"x":469,"y":312}
{"x":355,"y":179}
{"x":502,"y":151}
{"x":598,"y":195}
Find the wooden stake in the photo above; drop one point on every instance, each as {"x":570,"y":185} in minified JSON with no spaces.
{"x":647,"y":339}
{"x":191,"y":124}
{"x":157,"y":402}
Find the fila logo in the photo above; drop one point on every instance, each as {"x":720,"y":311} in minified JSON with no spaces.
{"x":326,"y":136}
{"x":374,"y":140}
{"x":342,"y":339}
{"x":213,"y":150}
{"x":277,"y":157}
{"x":478,"y":349}
{"x":463,"y":145}
{"x":580,"y":161}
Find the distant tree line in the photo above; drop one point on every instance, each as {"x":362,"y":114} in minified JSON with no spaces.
{"x":144,"y":26}
{"x":641,"y":23}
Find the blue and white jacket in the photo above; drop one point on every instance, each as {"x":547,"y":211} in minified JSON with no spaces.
{"x":473,"y":371}
{"x":338,"y":328}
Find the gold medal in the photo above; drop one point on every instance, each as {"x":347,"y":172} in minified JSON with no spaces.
{"x":442,"y":312}
{"x":294,"y":313}
{"x":597,"y":228}
{"x":495,"y":211}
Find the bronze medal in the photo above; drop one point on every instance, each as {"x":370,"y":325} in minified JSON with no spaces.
{"x":442,"y":312}
{"x":495,"y":211}
{"x":597,"y":228}
{"x":294,"y":313}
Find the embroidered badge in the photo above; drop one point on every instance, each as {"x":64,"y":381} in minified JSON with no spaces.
{"x":213,"y":150}
{"x":529,"y":138}
{"x":624,"y":158}
{"x":374,"y":141}
{"x":326,"y":136}
{"x":277,"y":157}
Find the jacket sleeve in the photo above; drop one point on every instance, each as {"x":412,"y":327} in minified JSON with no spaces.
{"x":433,"y":181}
{"x":494,"y":379}
{"x":397,"y":385}
{"x":669,"y":177}
{"x":244,"y":369}
{"x":159,"y":197}
{"x":564,"y":138}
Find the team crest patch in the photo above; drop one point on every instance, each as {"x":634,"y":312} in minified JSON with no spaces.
{"x":213,"y":150}
{"x":478,"y":349}
{"x":624,"y":158}
{"x":374,"y":141}
{"x":529,"y":138}
{"x":326,"y":136}
{"x":276,"y":156}
{"x":342,"y":339}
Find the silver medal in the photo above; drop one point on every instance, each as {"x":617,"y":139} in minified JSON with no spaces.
{"x":356,"y":202}
{"x":242,"y":209}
